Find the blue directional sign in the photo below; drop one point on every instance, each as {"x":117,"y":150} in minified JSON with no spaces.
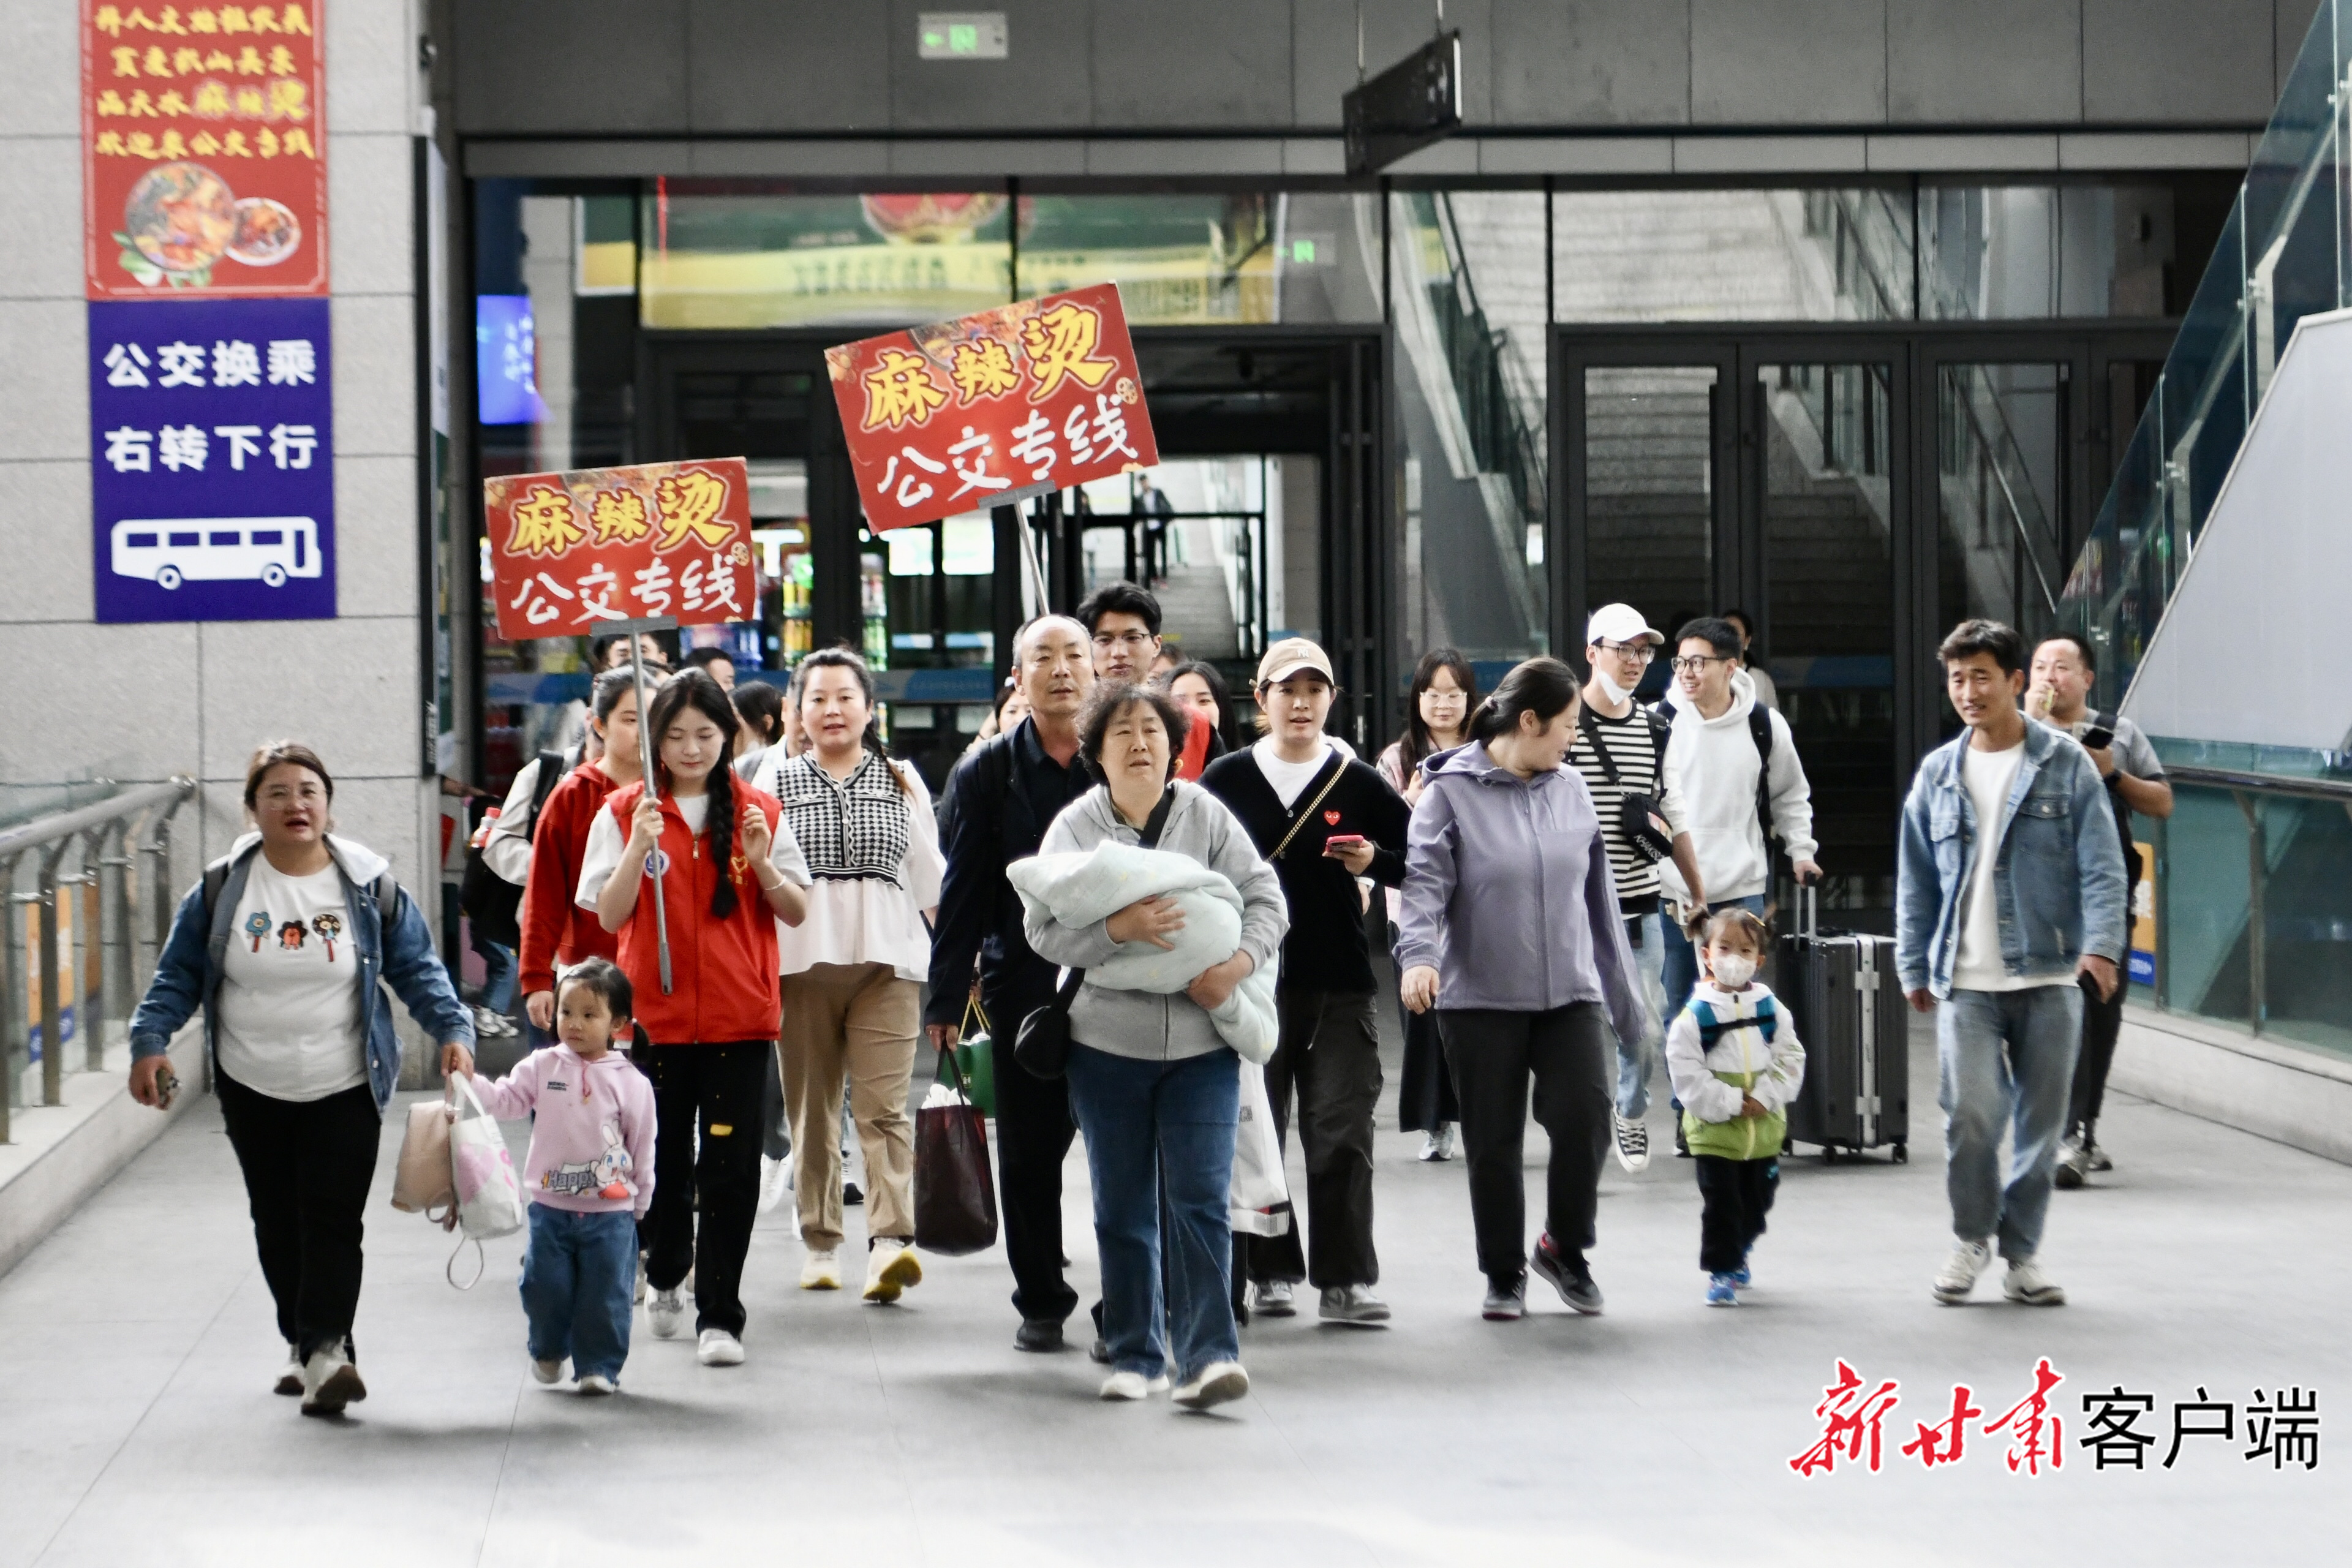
{"x":212,"y":460}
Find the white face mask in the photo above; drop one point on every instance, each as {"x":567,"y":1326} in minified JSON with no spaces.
{"x":1733,"y":971}
{"x":1616,"y":693}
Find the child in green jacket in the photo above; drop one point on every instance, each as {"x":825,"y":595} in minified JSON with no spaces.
{"x":1736,"y":1064}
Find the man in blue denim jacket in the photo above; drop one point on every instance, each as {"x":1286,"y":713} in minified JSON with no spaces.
{"x":2010,"y":886}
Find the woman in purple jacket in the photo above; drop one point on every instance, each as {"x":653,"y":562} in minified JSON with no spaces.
{"x":1510,"y":929}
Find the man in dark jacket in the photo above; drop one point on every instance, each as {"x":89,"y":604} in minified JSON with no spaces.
{"x":1000,"y":801}
{"x":1324,"y":819}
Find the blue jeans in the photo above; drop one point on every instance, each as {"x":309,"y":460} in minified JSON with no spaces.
{"x":497,"y":973}
{"x":1159,"y":1144}
{"x":578,"y":1275}
{"x":1637,"y":1059}
{"x":2025,"y":1086}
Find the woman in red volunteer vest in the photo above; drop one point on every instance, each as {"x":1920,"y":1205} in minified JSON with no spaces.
{"x":729,"y":869}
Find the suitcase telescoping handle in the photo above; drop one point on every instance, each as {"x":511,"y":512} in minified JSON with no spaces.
{"x":1807,"y":911}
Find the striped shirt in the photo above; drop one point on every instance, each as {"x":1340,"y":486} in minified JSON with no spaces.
{"x":1635,"y":746}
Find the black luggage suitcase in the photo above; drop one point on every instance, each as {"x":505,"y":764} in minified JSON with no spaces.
{"x":1841,"y":992}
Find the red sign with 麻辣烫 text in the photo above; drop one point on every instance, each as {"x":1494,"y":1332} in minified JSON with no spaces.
{"x":203,"y":150}
{"x":991,"y":408}
{"x":571,"y":554}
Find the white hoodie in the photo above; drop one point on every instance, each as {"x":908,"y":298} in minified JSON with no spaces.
{"x":1711,"y":766}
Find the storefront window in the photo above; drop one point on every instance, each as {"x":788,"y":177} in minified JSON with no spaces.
{"x":712,"y":257}
{"x":1209,"y":259}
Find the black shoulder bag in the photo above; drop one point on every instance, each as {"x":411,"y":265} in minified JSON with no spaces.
{"x":1639,"y":821}
{"x":1043,"y":1045}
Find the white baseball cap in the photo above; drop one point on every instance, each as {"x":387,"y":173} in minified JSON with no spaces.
{"x":1620,"y":623}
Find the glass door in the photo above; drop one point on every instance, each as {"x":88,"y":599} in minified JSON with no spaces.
{"x":1646,"y":445}
{"x":1823,"y":518}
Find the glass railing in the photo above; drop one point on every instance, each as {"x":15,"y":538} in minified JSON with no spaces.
{"x":2247,"y":924}
{"x":2280,"y":258}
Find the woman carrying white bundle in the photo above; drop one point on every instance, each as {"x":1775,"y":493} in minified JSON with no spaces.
{"x":1154,"y":1084}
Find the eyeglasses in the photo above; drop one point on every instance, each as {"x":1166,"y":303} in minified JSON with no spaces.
{"x":1133,"y":640}
{"x":1695,"y":664}
{"x":1640,"y":652}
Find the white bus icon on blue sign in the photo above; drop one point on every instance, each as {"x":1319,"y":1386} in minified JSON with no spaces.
{"x":168,"y":552}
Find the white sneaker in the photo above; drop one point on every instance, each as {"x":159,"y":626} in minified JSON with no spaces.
{"x":289,"y":1376}
{"x":717,"y":1347}
{"x":665,"y":1313}
{"x":2028,"y":1287}
{"x":891,"y":1266}
{"x":638,"y":1296}
{"x":547,"y":1371}
{"x":1632,"y":1144}
{"x":775,"y":1181}
{"x":821,"y":1270}
{"x":1274,"y":1299}
{"x":1132,"y":1385}
{"x":1353,"y":1304}
{"x":597,"y":1383}
{"x":1219,"y":1383}
{"x":1437,"y":1145}
{"x":489,"y":1026}
{"x":330,"y":1382}
{"x":1958,"y":1276}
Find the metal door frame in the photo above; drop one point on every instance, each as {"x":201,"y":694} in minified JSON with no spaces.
{"x":1913,"y":352}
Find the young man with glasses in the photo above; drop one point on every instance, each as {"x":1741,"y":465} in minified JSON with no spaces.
{"x":2059,"y":694}
{"x":1621,"y":751}
{"x":2009,"y":892}
{"x":1732,"y":767}
{"x":1124,"y":622}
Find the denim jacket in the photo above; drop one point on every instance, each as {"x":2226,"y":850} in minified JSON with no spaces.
{"x":189,"y":973}
{"x":2059,"y":881}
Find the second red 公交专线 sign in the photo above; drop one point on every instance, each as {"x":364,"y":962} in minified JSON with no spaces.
{"x":991,"y":408}
{"x":572,"y":553}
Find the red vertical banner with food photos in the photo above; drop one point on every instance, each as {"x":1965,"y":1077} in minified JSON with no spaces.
{"x":203,"y":150}
{"x":993,"y":407}
{"x":572,"y":553}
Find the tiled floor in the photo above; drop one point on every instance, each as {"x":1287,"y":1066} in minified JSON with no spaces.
{"x":136,"y":1424}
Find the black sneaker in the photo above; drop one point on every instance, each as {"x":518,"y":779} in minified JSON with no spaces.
{"x":1038,"y":1334}
{"x":1507,"y":1301}
{"x":1569,"y":1275}
{"x":850,"y":1195}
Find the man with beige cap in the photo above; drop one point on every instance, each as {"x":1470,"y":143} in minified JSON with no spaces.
{"x":1323,"y":819}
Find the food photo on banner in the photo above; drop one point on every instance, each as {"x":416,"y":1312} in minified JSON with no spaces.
{"x":212,"y":463}
{"x":571,"y":554}
{"x":204,"y":150}
{"x":991,"y":408}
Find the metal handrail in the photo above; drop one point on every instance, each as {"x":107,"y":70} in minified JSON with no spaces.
{"x":2261,"y":784}
{"x":1990,"y":458}
{"x":94,"y":827}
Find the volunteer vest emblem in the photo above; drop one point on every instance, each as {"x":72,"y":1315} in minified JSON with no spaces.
{"x":657,"y":863}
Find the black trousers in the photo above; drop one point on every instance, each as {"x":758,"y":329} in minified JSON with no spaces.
{"x":1328,"y":1054}
{"x":1570,"y":1055}
{"x":1033,"y":1132}
{"x":1734,"y":1197}
{"x":307,"y":1166}
{"x":715,"y":1090}
{"x":2102,"y":1021}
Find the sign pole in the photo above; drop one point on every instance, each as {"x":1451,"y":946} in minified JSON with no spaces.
{"x":645,"y":755}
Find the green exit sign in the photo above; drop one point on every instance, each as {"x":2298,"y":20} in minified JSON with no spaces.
{"x":960,"y":35}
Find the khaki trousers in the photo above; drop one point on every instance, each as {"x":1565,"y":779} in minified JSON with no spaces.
{"x":857,"y":1021}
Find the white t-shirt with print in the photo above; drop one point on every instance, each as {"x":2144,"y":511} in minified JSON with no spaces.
{"x":290,"y":1002}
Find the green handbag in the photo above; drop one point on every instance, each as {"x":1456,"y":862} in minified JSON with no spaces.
{"x":976,"y":1060}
